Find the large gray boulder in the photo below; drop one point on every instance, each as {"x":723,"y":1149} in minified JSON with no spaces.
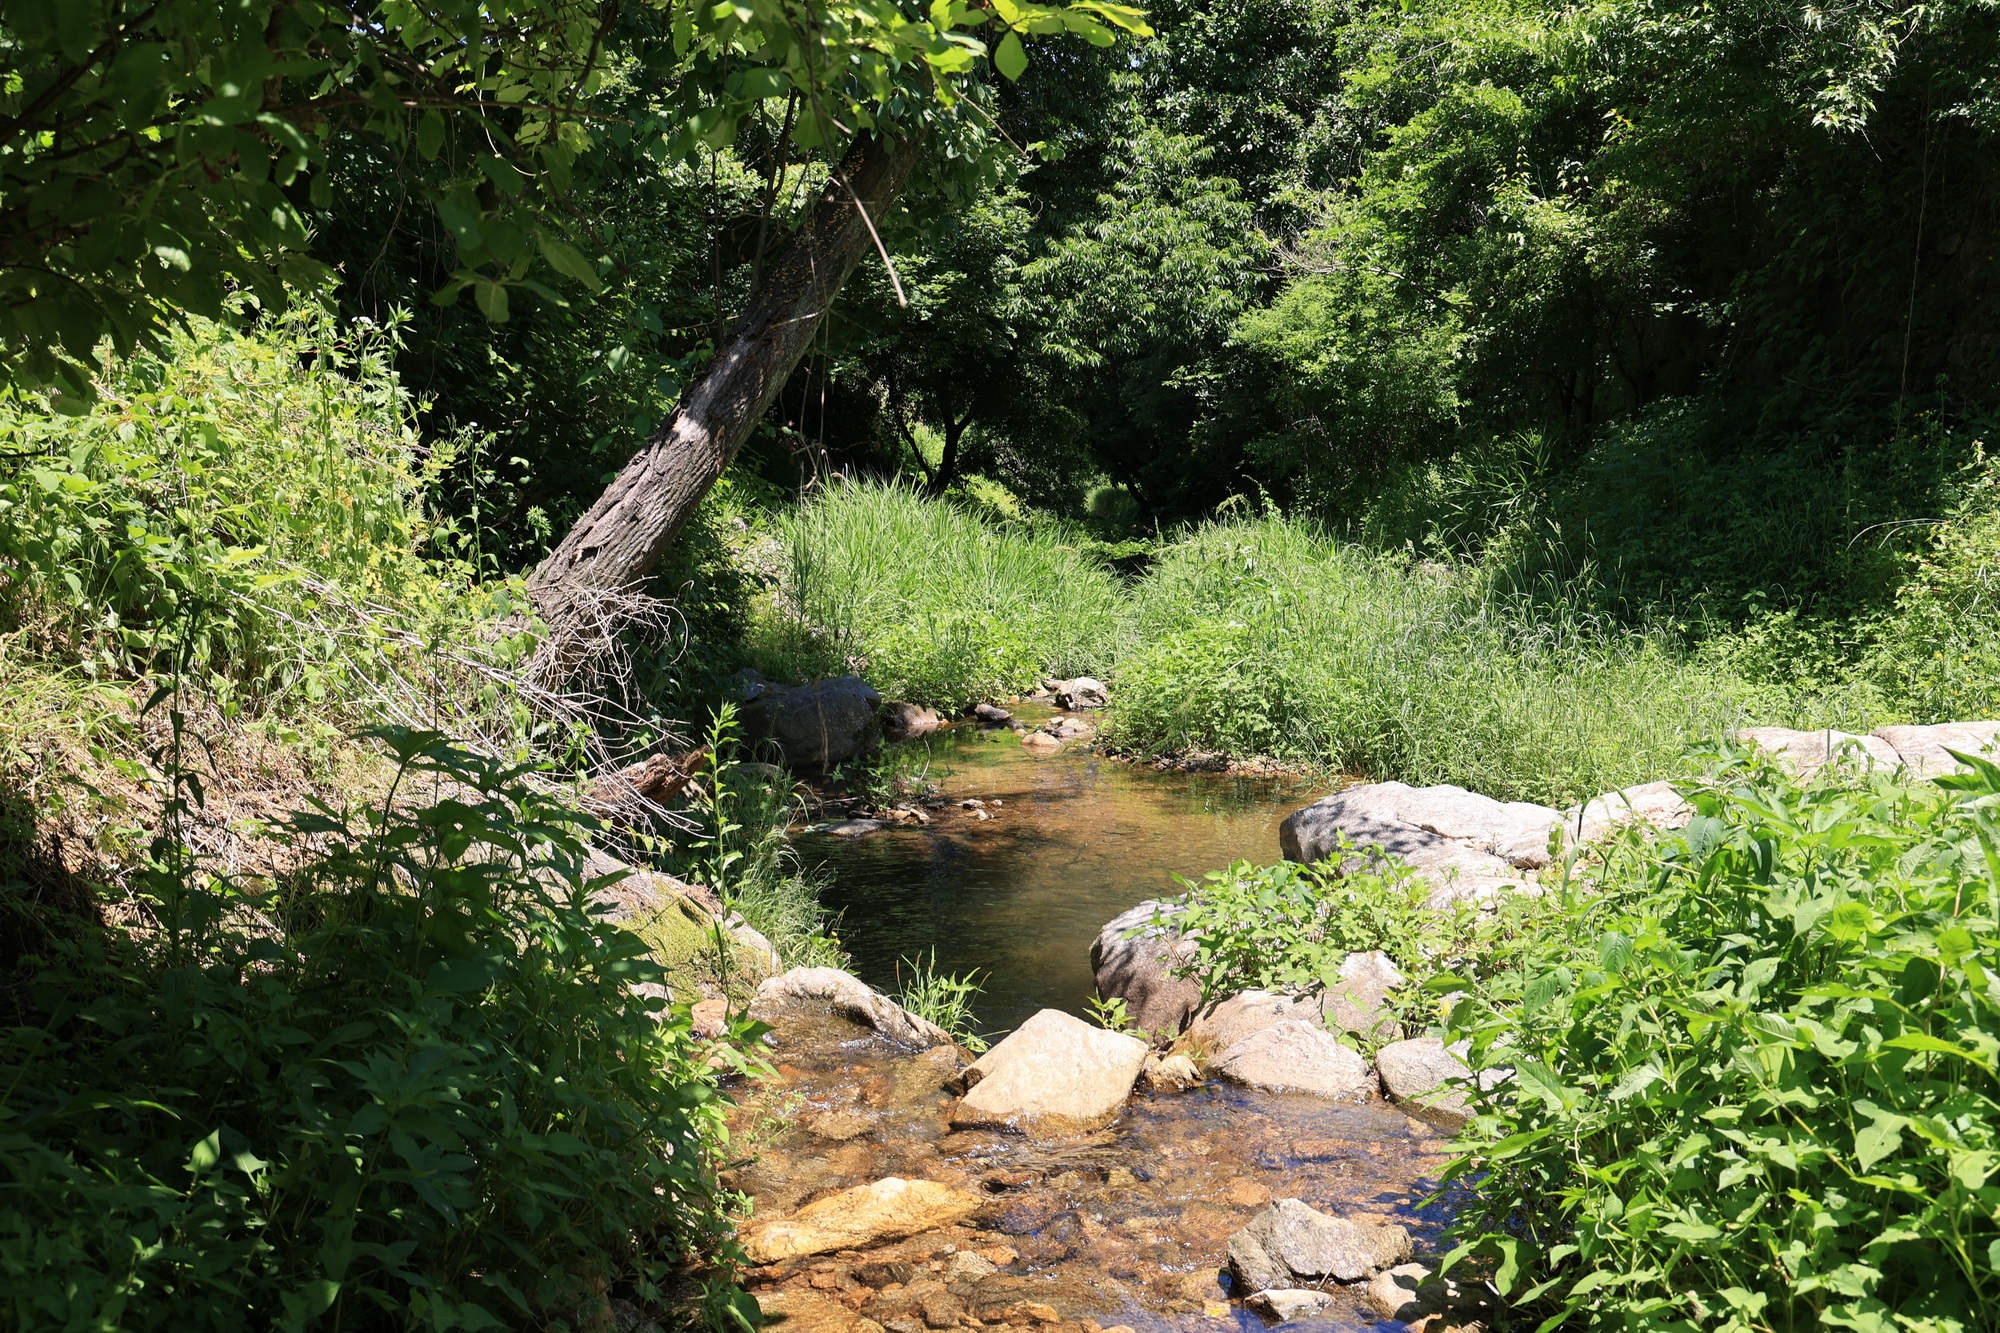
{"x":1470,"y":847}
{"x":1054,"y":1077}
{"x":1423,"y":1074}
{"x":1139,"y":970}
{"x":1923,"y":751}
{"x":1295,"y":1057}
{"x":820,"y":725}
{"x":1806,"y":752}
{"x":806,"y":991}
{"x":1426,"y":826}
{"x":1291,"y":1243}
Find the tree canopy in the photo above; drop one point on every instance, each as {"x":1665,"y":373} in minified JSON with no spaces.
{"x":155,"y":156}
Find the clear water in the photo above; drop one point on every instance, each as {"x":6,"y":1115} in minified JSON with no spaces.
{"x":1077,"y":839}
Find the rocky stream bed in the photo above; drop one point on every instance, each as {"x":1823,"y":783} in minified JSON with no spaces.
{"x":1078,"y":1180}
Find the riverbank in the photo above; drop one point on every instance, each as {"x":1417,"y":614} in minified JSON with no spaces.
{"x":1266,"y":641}
{"x":1822,"y":860}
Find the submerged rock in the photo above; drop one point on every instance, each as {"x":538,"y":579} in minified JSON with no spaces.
{"x":1040,"y":742}
{"x":1291,"y":1056}
{"x":857,"y":1218}
{"x":854,"y":828}
{"x":804,"y":990}
{"x":1291,"y":1241}
{"x":810,"y":1312}
{"x":1054,"y":1077}
{"x":1139,"y":970}
{"x":903,"y":722}
{"x":819,"y":725}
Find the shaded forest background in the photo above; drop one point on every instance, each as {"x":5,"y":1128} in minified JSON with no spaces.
{"x":1636,"y":292}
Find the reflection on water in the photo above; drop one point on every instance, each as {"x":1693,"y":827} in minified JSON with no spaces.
{"x":1020,"y":897}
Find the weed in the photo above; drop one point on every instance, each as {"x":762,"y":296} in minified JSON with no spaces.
{"x":931,"y":603}
{"x":940,"y":997}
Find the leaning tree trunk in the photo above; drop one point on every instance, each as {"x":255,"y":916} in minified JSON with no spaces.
{"x":612,"y":549}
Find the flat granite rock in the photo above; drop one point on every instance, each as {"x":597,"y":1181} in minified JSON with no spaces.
{"x":1655,"y":804}
{"x":1054,"y":1077}
{"x":854,"y":1219}
{"x":1296,"y":1057}
{"x":1806,"y":752}
{"x":1924,"y":751}
{"x":810,"y":1312}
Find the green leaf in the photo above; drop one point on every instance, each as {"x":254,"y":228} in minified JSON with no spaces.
{"x":567,"y":260}
{"x":492,"y":299}
{"x":1010,"y":59}
{"x":430,"y":135}
{"x":205,"y":1154}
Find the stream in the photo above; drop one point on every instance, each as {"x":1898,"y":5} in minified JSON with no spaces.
{"x":1127,"y":1228}
{"x":1075,"y":839}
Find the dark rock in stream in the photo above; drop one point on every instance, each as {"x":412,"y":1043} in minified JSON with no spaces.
{"x":816,"y":726}
{"x":992,"y":715}
{"x":1133,"y":960}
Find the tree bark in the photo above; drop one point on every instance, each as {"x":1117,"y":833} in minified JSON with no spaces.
{"x":614,"y":546}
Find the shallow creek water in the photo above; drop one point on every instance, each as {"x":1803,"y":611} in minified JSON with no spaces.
{"x":1018,"y":898}
{"x":1128,"y":1226}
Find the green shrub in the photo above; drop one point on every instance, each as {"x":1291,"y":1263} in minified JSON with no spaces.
{"x":943,"y":998}
{"x":1288,"y":927}
{"x":407,"y":1087}
{"x":250,"y":505}
{"x":1937,"y":654}
{"x":933,"y":604}
{"x":1754,"y":1081}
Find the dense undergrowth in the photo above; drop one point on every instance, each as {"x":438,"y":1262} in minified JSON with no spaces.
{"x":307,"y":1020}
{"x":408,"y":1085}
{"x":1754,"y":1073}
{"x":1266,"y":636}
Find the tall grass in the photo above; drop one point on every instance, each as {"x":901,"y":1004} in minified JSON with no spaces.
{"x":933,"y":604}
{"x":1264,"y":636}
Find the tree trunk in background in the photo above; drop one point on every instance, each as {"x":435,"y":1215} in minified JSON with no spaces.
{"x":612,"y":548}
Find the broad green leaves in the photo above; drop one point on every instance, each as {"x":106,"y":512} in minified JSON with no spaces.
{"x":1774,"y":1098}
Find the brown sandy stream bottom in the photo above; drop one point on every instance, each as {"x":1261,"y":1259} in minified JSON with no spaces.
{"x":1127,"y":1227}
